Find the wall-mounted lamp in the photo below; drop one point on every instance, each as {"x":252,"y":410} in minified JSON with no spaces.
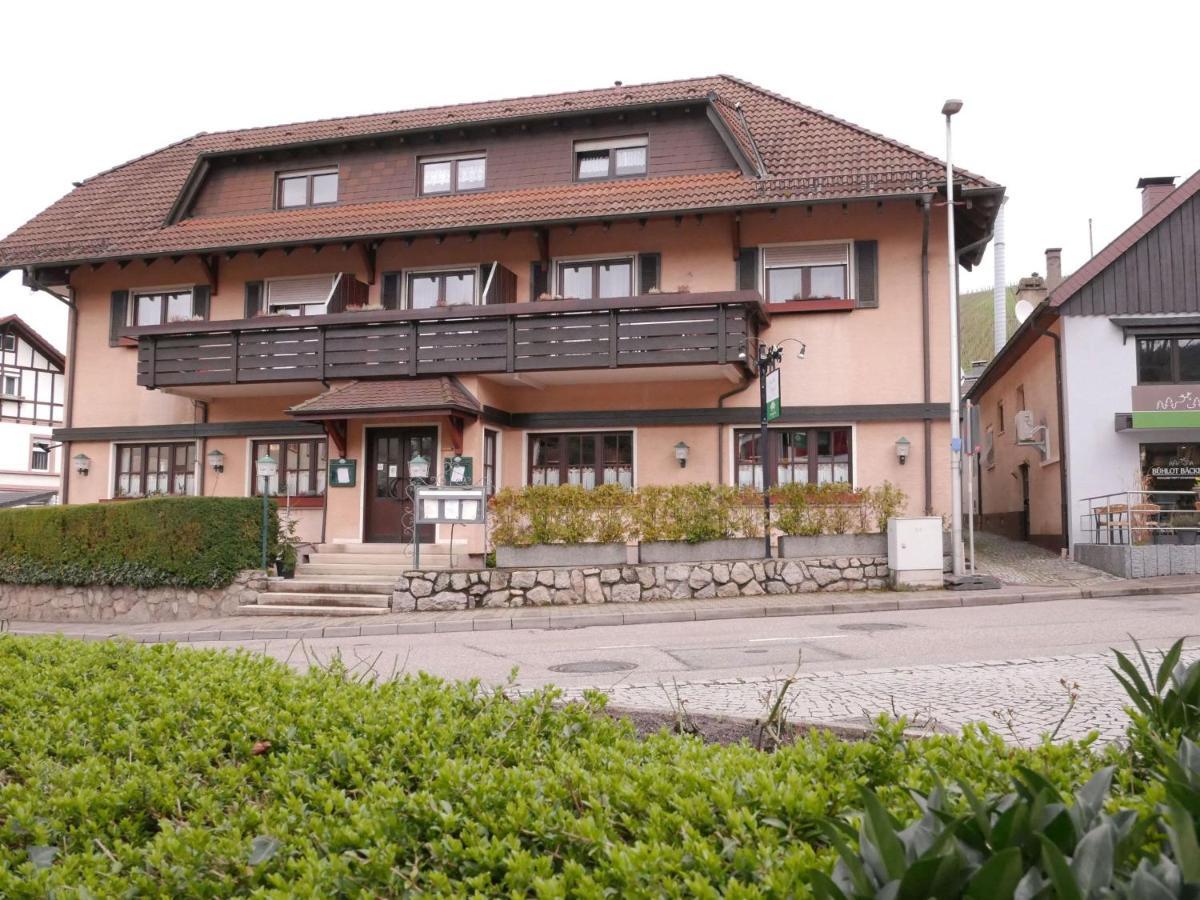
{"x":216,"y":460}
{"x":681,"y":454}
{"x":83,"y":463}
{"x":902,"y":447}
{"x":418,"y":467}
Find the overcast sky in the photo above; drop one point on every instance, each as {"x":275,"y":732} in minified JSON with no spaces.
{"x":1065,"y":105}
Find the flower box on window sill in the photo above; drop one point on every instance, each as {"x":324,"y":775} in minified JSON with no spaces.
{"x":798,"y":306}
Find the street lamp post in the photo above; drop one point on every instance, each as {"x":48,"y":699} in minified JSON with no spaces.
{"x":768,"y":360}
{"x":267,"y":467}
{"x":949,"y":108}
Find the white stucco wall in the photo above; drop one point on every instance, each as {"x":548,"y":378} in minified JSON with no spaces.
{"x":1099,"y":370}
{"x":14,"y":458}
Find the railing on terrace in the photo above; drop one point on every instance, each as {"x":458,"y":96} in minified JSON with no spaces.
{"x":652,"y":330}
{"x":1141,"y":517}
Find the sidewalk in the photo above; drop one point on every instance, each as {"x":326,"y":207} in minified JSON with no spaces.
{"x":239,"y":628}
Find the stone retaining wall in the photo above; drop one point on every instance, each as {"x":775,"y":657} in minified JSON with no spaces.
{"x":114,"y":603}
{"x":567,"y":586}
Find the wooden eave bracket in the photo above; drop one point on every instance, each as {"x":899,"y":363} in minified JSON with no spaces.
{"x":455,"y":430}
{"x":212,"y":268}
{"x":335,"y":430}
{"x":368,"y":249}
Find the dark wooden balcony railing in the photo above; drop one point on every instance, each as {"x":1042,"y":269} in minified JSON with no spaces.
{"x":652,"y":330}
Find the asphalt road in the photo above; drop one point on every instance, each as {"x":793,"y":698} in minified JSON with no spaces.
{"x":763,"y":647}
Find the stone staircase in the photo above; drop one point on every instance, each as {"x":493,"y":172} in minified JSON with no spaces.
{"x":349,"y":579}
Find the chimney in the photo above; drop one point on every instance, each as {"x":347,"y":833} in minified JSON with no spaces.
{"x":1154,"y":190}
{"x":1032,"y":288}
{"x":1053,"y":267}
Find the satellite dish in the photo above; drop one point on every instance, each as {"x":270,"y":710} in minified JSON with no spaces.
{"x":1023,"y":309}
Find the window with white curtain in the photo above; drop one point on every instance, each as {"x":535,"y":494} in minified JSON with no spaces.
{"x":307,"y":296}
{"x":806,"y":272}
{"x":611,"y":158}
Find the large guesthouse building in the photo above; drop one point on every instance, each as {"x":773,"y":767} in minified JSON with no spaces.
{"x":570,"y":288}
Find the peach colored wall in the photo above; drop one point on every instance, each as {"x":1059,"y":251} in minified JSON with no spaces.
{"x":1000,"y":484}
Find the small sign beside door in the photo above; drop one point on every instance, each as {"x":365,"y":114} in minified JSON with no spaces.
{"x":343,"y":472}
{"x":450,"y":505}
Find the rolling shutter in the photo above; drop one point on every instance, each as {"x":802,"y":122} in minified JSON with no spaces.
{"x":806,"y":255}
{"x":201,"y":296}
{"x":649,"y":266}
{"x":118,"y":314}
{"x":254,"y":295}
{"x":866,"y":274}
{"x":747,"y":269}
{"x":389,"y":293}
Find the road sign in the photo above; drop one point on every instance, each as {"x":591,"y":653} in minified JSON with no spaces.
{"x":774,"y":409}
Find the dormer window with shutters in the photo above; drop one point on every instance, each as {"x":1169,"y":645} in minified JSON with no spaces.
{"x":313,"y":187}
{"x":611,"y":158}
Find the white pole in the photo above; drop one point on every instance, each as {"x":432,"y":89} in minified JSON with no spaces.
{"x":999,"y":285}
{"x":955,"y":369}
{"x":972,"y":461}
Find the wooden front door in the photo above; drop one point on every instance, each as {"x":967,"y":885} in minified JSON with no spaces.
{"x":389,"y":505}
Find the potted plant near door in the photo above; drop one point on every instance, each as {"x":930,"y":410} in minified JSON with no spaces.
{"x":286,"y":554}
{"x":1185,"y":525}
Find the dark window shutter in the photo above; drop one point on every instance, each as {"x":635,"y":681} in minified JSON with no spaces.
{"x":538,"y":282}
{"x":118,"y":314}
{"x":501,"y":283}
{"x":648,"y":271}
{"x":254,"y":298}
{"x":747,"y":269}
{"x":389,"y":293}
{"x":201,"y":295}
{"x":866,"y":274}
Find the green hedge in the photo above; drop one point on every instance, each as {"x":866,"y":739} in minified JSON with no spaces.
{"x":150,"y":770}
{"x":170,"y":541}
{"x":571,"y":514}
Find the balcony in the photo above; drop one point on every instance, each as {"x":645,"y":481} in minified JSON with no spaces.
{"x":711,"y":329}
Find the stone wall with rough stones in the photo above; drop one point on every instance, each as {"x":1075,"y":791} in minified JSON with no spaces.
{"x":114,"y":603}
{"x":568,"y":586}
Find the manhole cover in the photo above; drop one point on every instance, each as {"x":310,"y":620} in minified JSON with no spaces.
{"x":872,"y":626}
{"x":593,"y":667}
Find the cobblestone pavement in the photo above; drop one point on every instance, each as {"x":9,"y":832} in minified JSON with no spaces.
{"x":1022,"y":699}
{"x":1017,"y":562}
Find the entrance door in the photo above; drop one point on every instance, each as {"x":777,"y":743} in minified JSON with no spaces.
{"x":389,"y":510}
{"x":1024,"y":470}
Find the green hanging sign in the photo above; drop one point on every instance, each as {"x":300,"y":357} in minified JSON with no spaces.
{"x":774,"y":407}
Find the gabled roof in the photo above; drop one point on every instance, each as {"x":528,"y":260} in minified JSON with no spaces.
{"x":44,"y":347}
{"x":1126,"y":239}
{"x":801,"y":155}
{"x":444,"y":394}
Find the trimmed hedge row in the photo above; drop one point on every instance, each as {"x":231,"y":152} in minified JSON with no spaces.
{"x":200,"y":542}
{"x":131,"y":770}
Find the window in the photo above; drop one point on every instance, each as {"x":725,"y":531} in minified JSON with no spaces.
{"x":301,"y":467}
{"x":12,"y":385}
{"x":307,"y":296}
{"x":429,"y":289}
{"x":453,"y":174}
{"x":1000,"y":415}
{"x":612,"y":158}
{"x":595,"y":279}
{"x":489,"y":461}
{"x":806,"y":272}
{"x":39,"y":456}
{"x":586,"y":459}
{"x":798,"y":455}
{"x":1173,"y":360}
{"x":317,"y":187}
{"x":161,"y":307}
{"x":145,"y":469}
{"x":10,"y":342}
{"x":1020,"y":397}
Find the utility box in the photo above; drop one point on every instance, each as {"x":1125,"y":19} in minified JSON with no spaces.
{"x":915,"y":552}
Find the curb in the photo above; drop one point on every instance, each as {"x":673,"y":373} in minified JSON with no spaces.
{"x":546,"y":619}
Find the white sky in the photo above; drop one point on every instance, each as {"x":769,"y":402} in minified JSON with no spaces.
{"x":1065,"y":104}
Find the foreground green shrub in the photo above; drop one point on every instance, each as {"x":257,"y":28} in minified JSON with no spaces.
{"x":131,"y":770}
{"x":810,"y":509}
{"x":175,"y":541}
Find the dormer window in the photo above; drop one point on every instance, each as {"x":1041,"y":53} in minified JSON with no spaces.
{"x":453,"y":174}
{"x":313,"y":187}
{"x":610,"y":158}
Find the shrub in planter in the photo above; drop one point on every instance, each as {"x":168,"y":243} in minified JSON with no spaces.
{"x":560,"y":514}
{"x":162,"y":542}
{"x":812,"y":509}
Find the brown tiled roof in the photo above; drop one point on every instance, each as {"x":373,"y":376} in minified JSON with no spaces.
{"x":47,"y":349}
{"x":808,"y":155}
{"x":1126,"y":239}
{"x":401,"y":395}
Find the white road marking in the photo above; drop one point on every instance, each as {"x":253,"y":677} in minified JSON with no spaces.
{"x":815,"y":637}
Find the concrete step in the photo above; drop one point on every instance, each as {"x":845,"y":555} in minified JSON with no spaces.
{"x":310,"y":611}
{"x":378,"y":601}
{"x":327,"y":570}
{"x":383,"y":586}
{"x":443,"y":547}
{"x":367,"y":583}
{"x":380,"y":559}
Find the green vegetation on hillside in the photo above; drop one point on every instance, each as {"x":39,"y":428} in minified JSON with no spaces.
{"x":975,"y":324}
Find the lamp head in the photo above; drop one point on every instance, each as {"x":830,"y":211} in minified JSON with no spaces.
{"x":83,"y":463}
{"x":681,"y":454}
{"x":950,"y":107}
{"x":216,"y":460}
{"x":903,"y":445}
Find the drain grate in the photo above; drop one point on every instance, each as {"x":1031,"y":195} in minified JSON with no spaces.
{"x":593,"y":667}
{"x":873,"y":626}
